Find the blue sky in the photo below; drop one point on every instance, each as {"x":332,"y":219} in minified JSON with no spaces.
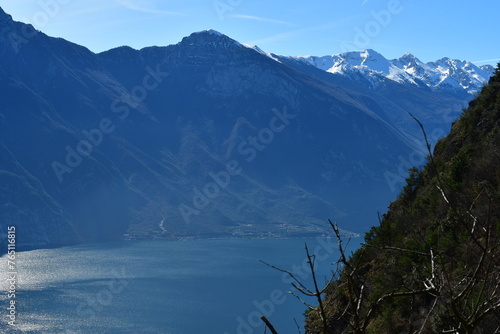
{"x":428,"y":29}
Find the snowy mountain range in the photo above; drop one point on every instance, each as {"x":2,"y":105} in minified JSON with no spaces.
{"x":204,"y":138}
{"x":443,"y":75}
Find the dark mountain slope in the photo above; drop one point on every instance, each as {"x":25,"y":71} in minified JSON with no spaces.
{"x":141,"y":142}
{"x":438,"y":245}
{"x":52,"y":90}
{"x":118,"y":142}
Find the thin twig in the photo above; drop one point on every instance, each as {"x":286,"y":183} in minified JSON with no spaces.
{"x":431,"y":156}
{"x":287,"y":272}
{"x":298,"y":327}
{"x":310,"y":307}
{"x":397,"y":249}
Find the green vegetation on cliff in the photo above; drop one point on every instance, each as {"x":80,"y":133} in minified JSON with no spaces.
{"x":432,"y":265}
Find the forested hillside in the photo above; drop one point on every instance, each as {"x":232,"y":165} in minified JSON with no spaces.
{"x":432,"y":265}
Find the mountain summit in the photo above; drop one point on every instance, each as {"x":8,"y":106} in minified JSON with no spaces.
{"x":210,"y":36}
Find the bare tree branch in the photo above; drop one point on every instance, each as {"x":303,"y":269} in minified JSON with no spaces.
{"x":310,"y":307}
{"x":318,"y":293}
{"x":397,"y":249}
{"x":268,"y":324}
{"x":286,"y":272}
{"x":298,"y":327}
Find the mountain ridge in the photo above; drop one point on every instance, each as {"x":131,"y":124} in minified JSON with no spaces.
{"x":444,"y":74}
{"x":116,"y":142}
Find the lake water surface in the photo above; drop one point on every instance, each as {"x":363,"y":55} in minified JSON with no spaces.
{"x":173,"y":287}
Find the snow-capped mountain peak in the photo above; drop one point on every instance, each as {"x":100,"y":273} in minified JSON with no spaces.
{"x":408,"y":61}
{"x":444,"y":74}
{"x":362,"y":61}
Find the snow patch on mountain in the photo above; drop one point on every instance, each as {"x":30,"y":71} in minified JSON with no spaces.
{"x":259,"y":50}
{"x":214,"y":32}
